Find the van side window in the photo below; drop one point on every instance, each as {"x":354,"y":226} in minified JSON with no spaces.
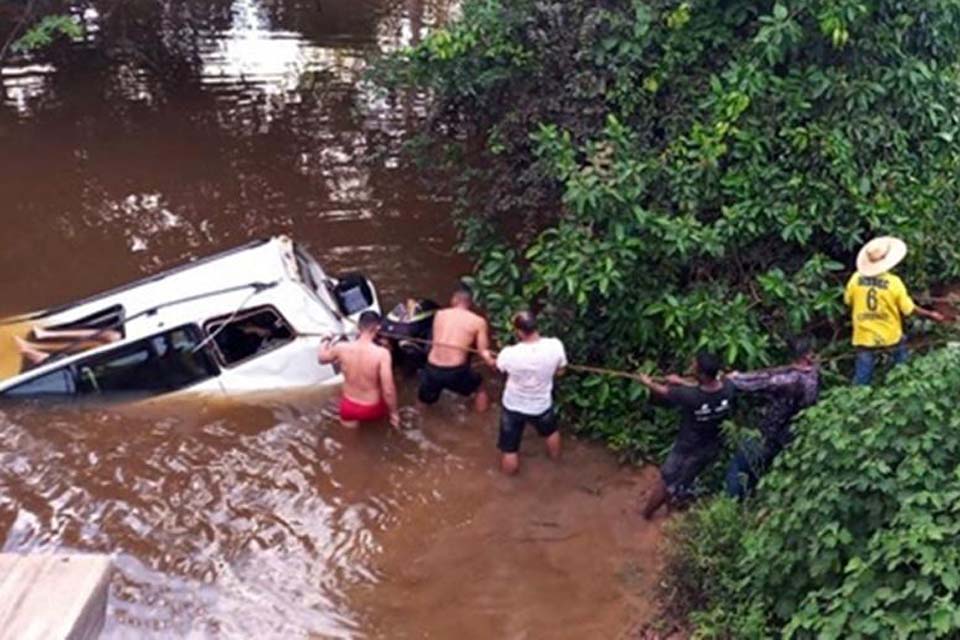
{"x":184,"y":365}
{"x":155,"y":365}
{"x":249,"y":334}
{"x":58,"y":383}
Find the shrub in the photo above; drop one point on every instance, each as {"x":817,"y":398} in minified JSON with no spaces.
{"x":858,"y":532}
{"x":854,"y":532}
{"x":658,"y":176}
{"x":702,"y":581}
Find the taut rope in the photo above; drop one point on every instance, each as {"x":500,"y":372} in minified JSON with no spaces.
{"x":617,"y":373}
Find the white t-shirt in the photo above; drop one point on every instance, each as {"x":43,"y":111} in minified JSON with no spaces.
{"x":530,"y":368}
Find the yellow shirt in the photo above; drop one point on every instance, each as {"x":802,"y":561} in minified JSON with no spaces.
{"x":878,"y":304}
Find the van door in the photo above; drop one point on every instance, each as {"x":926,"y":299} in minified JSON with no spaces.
{"x":161,"y":364}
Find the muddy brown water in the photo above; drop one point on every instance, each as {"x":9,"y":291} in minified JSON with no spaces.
{"x":182,"y":128}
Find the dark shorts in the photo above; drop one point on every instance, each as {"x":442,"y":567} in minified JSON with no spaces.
{"x":512,"y":424}
{"x":433,"y":380}
{"x":682,"y":467}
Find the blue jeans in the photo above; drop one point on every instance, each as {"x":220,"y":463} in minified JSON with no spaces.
{"x":745,"y":469}
{"x":867,"y":362}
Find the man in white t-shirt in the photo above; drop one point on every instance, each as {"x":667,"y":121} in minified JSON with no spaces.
{"x":531,"y":366}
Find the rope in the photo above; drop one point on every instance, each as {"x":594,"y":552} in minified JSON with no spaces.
{"x":617,"y":373}
{"x":223,"y":325}
{"x":570,"y":367}
{"x":258,"y":287}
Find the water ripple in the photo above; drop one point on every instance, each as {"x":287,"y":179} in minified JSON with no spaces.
{"x":256,"y":510}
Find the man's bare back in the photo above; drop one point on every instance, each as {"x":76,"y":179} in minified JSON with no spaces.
{"x":454,"y":331}
{"x":369,"y":391}
{"x":361,"y":363}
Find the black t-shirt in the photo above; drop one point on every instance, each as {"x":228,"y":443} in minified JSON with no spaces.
{"x":701,"y":413}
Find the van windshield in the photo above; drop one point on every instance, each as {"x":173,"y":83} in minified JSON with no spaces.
{"x":315,"y":280}
{"x":160,"y":364}
{"x":310,"y":272}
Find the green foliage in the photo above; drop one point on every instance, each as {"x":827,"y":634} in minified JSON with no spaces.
{"x":705,"y":544}
{"x":861,"y":535}
{"x":658,"y":175}
{"x":49,"y":28}
{"x":469,"y":60}
{"x":854,"y":533}
{"x":702,"y":582}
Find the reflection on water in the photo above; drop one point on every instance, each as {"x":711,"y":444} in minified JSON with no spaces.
{"x":274,"y":62}
{"x":234,"y":120}
{"x":174,"y":130}
{"x":242,"y":43}
{"x":139,"y":149}
{"x":23,"y":84}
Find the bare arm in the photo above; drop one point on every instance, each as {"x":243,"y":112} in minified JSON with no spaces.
{"x":328,"y":352}
{"x":389,"y":388}
{"x":936,"y":316}
{"x":562,"y":365}
{"x":656,"y":388}
{"x":483,"y":345}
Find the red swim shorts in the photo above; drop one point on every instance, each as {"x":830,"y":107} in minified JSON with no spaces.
{"x":352,"y":411}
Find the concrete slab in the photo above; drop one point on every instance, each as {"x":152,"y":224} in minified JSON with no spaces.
{"x":53,"y":597}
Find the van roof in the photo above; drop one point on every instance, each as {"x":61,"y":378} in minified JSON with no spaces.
{"x":224,"y":267}
{"x":259,"y":273}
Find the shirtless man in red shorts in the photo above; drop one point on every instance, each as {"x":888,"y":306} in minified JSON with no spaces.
{"x":369,"y":393}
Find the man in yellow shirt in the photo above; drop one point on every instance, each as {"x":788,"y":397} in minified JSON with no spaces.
{"x":878,"y":301}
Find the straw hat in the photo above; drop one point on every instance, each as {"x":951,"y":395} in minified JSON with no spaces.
{"x":880,"y":255}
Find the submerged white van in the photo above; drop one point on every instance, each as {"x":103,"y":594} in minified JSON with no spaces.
{"x":249,"y":319}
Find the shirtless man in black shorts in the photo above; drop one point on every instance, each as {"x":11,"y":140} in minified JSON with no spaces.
{"x":455,"y":330}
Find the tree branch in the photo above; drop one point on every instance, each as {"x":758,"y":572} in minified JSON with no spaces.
{"x":15,"y":32}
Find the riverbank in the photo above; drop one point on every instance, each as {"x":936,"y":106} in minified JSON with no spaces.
{"x":558,"y":552}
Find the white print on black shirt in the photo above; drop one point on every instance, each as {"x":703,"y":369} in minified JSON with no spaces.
{"x":708,"y":413}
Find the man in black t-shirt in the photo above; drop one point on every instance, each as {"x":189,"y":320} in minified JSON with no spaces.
{"x":703,"y":404}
